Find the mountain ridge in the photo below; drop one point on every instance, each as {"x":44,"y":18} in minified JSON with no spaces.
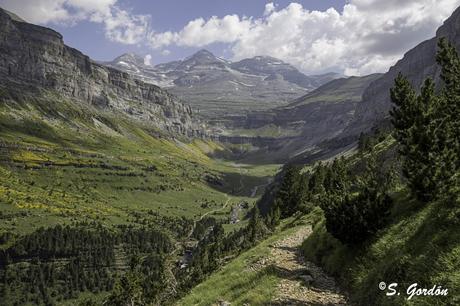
{"x":216,"y":86}
{"x":37,"y":56}
{"x":417,"y":64}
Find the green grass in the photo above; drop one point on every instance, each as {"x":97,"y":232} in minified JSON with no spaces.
{"x":58,"y":165}
{"x":420,"y":245}
{"x":237,"y":284}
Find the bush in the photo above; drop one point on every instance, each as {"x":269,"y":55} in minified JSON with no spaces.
{"x":354,"y":218}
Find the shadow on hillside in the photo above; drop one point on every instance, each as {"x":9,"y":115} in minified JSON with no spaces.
{"x":259,"y":157}
{"x":237,"y":184}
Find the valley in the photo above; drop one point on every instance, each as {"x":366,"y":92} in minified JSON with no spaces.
{"x":208,"y":181}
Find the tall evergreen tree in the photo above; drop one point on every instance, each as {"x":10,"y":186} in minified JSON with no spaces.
{"x":428,"y":127}
{"x":446,"y":118}
{"x":288,"y":193}
{"x":256,"y":227}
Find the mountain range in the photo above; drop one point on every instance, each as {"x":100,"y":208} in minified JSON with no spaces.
{"x":214,"y":86}
{"x":298,"y":128}
{"x":262,"y":100}
{"x":340,"y":129}
{"x":124,"y":183}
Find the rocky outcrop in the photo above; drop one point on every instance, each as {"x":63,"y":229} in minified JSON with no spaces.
{"x":37,"y":56}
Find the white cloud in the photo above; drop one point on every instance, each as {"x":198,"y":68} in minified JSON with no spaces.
{"x":148,"y":60}
{"x":198,"y":32}
{"x":269,"y":8}
{"x":165,"y":52}
{"x":368,"y":36}
{"x":120,"y":25}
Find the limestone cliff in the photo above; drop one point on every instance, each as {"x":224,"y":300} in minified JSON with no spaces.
{"x":417,"y":64}
{"x":36,"y":56}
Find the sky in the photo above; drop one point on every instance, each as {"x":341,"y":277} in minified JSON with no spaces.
{"x":353,"y":37}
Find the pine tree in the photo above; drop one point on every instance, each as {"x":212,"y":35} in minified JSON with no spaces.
{"x":316,"y":181}
{"x":428,"y":127}
{"x":411,"y":119}
{"x":446,"y":117}
{"x":303,"y":195}
{"x":420,"y":165}
{"x":127,"y":291}
{"x":256,"y":227}
{"x":274,"y":214}
{"x":353,"y":217}
{"x":288,"y":191}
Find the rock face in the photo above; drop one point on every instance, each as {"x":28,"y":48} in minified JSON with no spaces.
{"x":218,"y":87}
{"x":274,"y":68}
{"x":339,"y":96}
{"x":36,"y":56}
{"x":300,"y":126}
{"x":417,"y":64}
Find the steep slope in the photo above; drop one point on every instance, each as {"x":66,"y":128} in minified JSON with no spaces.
{"x":271,"y":273}
{"x":417,"y":64}
{"x":36,"y":56}
{"x":217,"y":87}
{"x":285,"y":132}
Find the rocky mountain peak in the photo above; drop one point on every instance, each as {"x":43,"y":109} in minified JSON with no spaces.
{"x":262,"y":65}
{"x":451,"y":28}
{"x":13,"y":16}
{"x":215,"y":85}
{"x":130,"y":58}
{"x":203,"y":53}
{"x":202,"y":57}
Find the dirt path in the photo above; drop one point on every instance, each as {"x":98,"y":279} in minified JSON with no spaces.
{"x":303,"y":283}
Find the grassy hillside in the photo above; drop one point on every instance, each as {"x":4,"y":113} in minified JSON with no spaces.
{"x":340,"y":90}
{"x":60,"y":162}
{"x":102,"y":194}
{"x":419,"y":245}
{"x":404,"y":244}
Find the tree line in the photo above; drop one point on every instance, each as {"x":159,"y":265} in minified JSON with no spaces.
{"x":58,"y":263}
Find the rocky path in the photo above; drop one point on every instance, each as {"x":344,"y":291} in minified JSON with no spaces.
{"x":303,"y":283}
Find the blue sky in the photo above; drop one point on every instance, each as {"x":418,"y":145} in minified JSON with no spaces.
{"x":171,"y":15}
{"x":354,"y":37}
